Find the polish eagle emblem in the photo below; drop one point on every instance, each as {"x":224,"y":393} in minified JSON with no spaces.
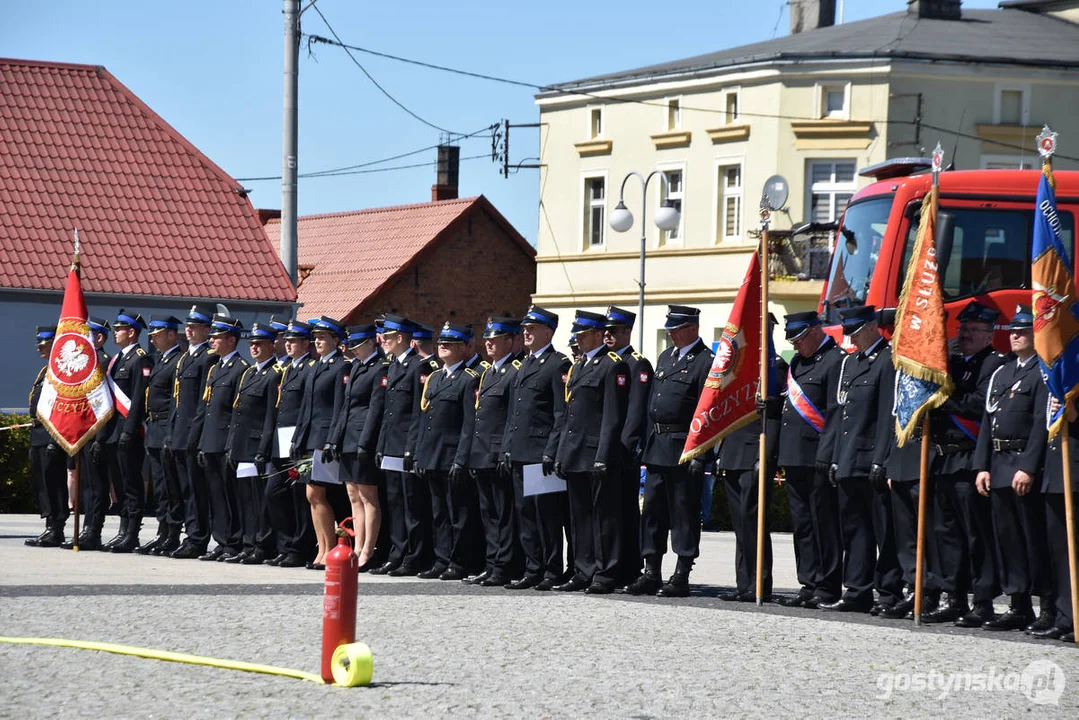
{"x":72,"y":359}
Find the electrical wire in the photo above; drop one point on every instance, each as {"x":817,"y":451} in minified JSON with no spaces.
{"x":367,"y":171}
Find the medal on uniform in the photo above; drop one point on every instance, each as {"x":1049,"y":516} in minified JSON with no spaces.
{"x":1014,"y":388}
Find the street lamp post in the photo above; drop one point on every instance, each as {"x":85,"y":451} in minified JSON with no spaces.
{"x":667,"y":218}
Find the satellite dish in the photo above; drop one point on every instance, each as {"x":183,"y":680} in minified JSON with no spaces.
{"x":775,"y":193}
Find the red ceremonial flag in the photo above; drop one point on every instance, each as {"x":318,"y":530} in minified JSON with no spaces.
{"x":75,"y":399}
{"x":728,"y":401}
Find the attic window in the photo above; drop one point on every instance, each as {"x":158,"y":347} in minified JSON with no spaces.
{"x":674,"y":114}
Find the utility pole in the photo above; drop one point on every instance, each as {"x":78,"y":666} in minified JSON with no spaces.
{"x":289,"y":139}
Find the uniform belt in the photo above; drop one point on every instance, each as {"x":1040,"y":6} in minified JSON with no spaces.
{"x":999,"y":445}
{"x":151,"y":417}
{"x":662,"y":428}
{"x":949,"y":448}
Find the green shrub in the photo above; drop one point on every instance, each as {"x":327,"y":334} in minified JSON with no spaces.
{"x":779,"y":515}
{"x":16,"y":488}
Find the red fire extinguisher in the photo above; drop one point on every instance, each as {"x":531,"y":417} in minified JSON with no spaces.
{"x":339,"y":601}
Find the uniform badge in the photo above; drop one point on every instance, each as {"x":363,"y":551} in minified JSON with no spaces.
{"x":146,"y":372}
{"x":643,"y":377}
{"x":344,"y":379}
{"x":563,"y":378}
{"x":384,"y":380}
{"x":967,"y":374}
{"x":621,"y":380}
{"x":423,"y":379}
{"x":659,"y":374}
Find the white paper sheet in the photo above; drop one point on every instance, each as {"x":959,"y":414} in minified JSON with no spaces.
{"x":393,"y":463}
{"x":284,"y":441}
{"x":323,"y":471}
{"x":536,"y":483}
{"x":246,"y":469}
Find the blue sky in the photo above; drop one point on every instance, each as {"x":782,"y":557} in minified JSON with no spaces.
{"x":214,"y":71}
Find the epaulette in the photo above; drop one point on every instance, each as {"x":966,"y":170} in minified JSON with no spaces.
{"x":389,"y":358}
{"x":484,"y":364}
{"x":637,"y":356}
{"x":244,"y":362}
{"x":310,"y":363}
{"x":140,"y":351}
{"x":472,"y":372}
{"x":516,"y":364}
{"x":278,"y":368}
{"x":434,"y":364}
{"x":614,"y":356}
{"x":387,"y":361}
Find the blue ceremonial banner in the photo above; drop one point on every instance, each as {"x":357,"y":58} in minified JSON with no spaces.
{"x":1056,"y":308}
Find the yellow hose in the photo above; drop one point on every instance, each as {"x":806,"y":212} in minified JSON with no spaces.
{"x":168,"y":656}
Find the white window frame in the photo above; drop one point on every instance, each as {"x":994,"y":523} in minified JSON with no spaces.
{"x":719,"y":200}
{"x":589,"y":132}
{"x":584,"y":212}
{"x":832,"y":188}
{"x":1017,"y":162}
{"x":1024,"y":109}
{"x":737,"y":93}
{"x":822,"y":113}
{"x":667,"y":114}
{"x":663,"y":237}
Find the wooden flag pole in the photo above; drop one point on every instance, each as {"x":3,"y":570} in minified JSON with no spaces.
{"x":923,"y":493}
{"x":762,"y":467}
{"x":75,"y":504}
{"x":1069,"y":515}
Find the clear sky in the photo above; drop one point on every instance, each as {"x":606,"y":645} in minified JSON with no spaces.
{"x":213,"y":69}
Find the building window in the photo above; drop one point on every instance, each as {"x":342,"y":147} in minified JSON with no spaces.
{"x":595,"y":123}
{"x":675,"y":193}
{"x":1011,"y":104}
{"x":833,"y":101}
{"x":729,"y":203}
{"x":595,"y":203}
{"x":1006,"y":162}
{"x":831,"y":185}
{"x":674,"y":114}
{"x":731,"y":107}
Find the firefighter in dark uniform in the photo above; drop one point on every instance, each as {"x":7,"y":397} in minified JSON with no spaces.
{"x":864,"y":437}
{"x":963,"y":529}
{"x":590,"y":456}
{"x":279,"y":325}
{"x":189,"y":388}
{"x":423,"y":342}
{"x":672,"y":490}
{"x":286,"y":501}
{"x":443,"y":443}
{"x":737,"y":465}
{"x":47,"y":461}
{"x":534,"y":422}
{"x":617,"y":337}
{"x":1008,"y":459}
{"x":408,"y":499}
{"x":355,"y":437}
{"x":1056,"y":526}
{"x":495,"y":488}
{"x":213,"y":419}
{"x":323,"y":400}
{"x":128,"y":373}
{"x":805,"y":454}
{"x":159,"y":404}
{"x":250,"y":442}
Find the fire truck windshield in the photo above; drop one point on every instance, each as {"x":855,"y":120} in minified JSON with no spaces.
{"x":858,"y":244}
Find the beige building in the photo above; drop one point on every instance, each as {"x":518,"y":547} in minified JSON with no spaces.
{"x":814,"y":107}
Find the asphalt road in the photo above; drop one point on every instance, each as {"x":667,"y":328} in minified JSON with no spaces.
{"x":450,"y":649}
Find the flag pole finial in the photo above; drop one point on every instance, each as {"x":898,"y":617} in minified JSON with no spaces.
{"x":78,"y":251}
{"x":1047,"y":143}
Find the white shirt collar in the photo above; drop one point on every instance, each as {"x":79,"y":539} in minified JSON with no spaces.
{"x":625,"y":350}
{"x":195,"y":348}
{"x":227,"y":357}
{"x":541,"y":350}
{"x":594,"y":351}
{"x":129,"y":349}
{"x":405,"y":354}
{"x":453,"y":368}
{"x":1024,"y":363}
{"x":329,"y":357}
{"x":171,"y":350}
{"x":869,"y":350}
{"x":682,"y":352}
{"x":264,"y":363}
{"x":299,"y":361}
{"x":502,"y":361}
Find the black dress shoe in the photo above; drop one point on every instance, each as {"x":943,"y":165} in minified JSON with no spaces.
{"x":254,"y":558}
{"x":1068,"y":636}
{"x":315,"y":566}
{"x":877,"y":608}
{"x":213,"y":555}
{"x":644,"y":585}
{"x":385,"y":568}
{"x":1012,"y":620}
{"x":979,"y":615}
{"x":477,"y":579}
{"x":36,"y":540}
{"x":528,"y":581}
{"x":676,"y":586}
{"x":793,"y":602}
{"x":367,"y":566}
{"x":166,"y":548}
{"x":574,"y":584}
{"x":127,"y":545}
{"x":52,"y":538}
{"x":186,"y":552}
{"x":731,"y":596}
{"x":236,"y":558}
{"x":1054,"y":632}
{"x":494,"y":580}
{"x":848,"y":605}
{"x":431,"y":573}
{"x":545,"y":585}
{"x":1046,"y":619}
{"x":949,"y":611}
{"x":898,"y":611}
{"x":147,"y":548}
{"x":599,"y":588}
{"x":453,"y":574}
{"x":292,"y":560}
{"x":402,"y":571}
{"x":228,"y":556}
{"x":276,"y":559}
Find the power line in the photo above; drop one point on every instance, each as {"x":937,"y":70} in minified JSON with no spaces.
{"x":367,"y":170}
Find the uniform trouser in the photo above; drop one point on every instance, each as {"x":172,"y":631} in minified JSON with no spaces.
{"x":167,"y":489}
{"x":672,"y":504}
{"x":288,"y":511}
{"x":254,"y":519}
{"x":629,"y":492}
{"x":964,"y":535}
{"x":1056,"y":530}
{"x":742,"y":498}
{"x":905,"y":512}
{"x":808,"y":562}
{"x":196,"y":497}
{"x":125,"y":469}
{"x":456,"y":531}
{"x":418,"y":544}
{"x":94,"y":482}
{"x":595,"y":511}
{"x":1021,"y":545}
{"x":539,"y":522}
{"x":495,"y":496}
{"x":393,"y":517}
{"x":224,"y":505}
{"x":868,"y":543}
{"x":50,"y":481}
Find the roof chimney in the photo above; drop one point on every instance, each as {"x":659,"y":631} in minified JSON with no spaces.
{"x":935,"y":9}
{"x":449,"y":162}
{"x":811,"y":14}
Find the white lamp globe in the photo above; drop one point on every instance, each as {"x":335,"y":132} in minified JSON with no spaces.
{"x":667,"y":218}
{"x":621,"y":218}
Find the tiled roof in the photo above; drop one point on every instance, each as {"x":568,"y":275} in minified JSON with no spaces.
{"x":156,"y":216}
{"x":354,"y":254}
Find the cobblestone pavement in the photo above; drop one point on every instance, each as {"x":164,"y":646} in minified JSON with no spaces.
{"x":451,"y":649}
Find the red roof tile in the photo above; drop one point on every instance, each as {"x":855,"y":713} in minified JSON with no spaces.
{"x":354,"y":254}
{"x":156,"y":216}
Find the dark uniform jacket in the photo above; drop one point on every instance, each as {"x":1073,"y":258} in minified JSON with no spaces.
{"x":215,"y":413}
{"x":447,"y":418}
{"x":189,"y":387}
{"x":967,"y":402}
{"x":39,"y":436}
{"x":290,"y":392}
{"x":741,"y":449}
{"x":1053,"y":472}
{"x":130,"y":372}
{"x":400,"y":418}
{"x":323,"y":400}
{"x":492,"y":407}
{"x":802,"y":445}
{"x":676,"y":388}
{"x":597,"y":393}
{"x":159,"y":398}
{"x":537,"y":408}
{"x":253,"y":413}
{"x":1014,"y":419}
{"x":865,"y":426}
{"x":640,"y":387}
{"x":358,"y":424}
